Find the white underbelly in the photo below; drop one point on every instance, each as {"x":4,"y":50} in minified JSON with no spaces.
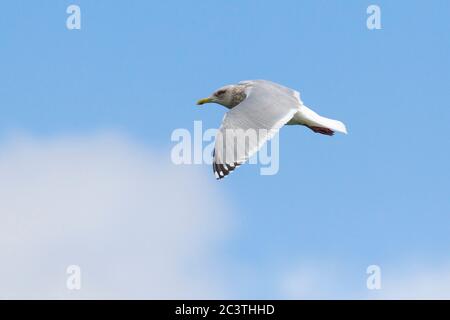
{"x":298,"y":119}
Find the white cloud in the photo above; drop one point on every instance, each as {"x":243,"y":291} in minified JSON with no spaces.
{"x":138,"y":226}
{"x":311,"y":280}
{"x":412,"y":282}
{"x":318,"y":280}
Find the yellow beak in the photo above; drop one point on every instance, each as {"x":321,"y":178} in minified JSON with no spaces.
{"x":203,"y":101}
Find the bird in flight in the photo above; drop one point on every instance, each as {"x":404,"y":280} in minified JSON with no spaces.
{"x":258,"y":109}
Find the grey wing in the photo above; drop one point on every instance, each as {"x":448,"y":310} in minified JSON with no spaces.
{"x":246,"y":127}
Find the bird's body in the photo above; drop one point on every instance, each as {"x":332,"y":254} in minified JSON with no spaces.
{"x":258,"y":109}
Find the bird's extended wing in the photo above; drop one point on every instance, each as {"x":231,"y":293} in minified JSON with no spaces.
{"x":246,"y":127}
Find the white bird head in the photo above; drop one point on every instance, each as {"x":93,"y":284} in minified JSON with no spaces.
{"x":229,"y":96}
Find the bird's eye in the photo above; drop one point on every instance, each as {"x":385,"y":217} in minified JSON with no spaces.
{"x":220,"y":92}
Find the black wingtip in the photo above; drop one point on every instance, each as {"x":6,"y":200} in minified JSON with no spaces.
{"x":223,"y":170}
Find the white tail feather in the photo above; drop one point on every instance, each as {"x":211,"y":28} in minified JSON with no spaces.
{"x":308,"y":117}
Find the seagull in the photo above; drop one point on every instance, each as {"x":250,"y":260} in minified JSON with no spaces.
{"x":261,"y":107}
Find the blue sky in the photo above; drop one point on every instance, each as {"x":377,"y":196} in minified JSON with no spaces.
{"x":379,"y":195}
